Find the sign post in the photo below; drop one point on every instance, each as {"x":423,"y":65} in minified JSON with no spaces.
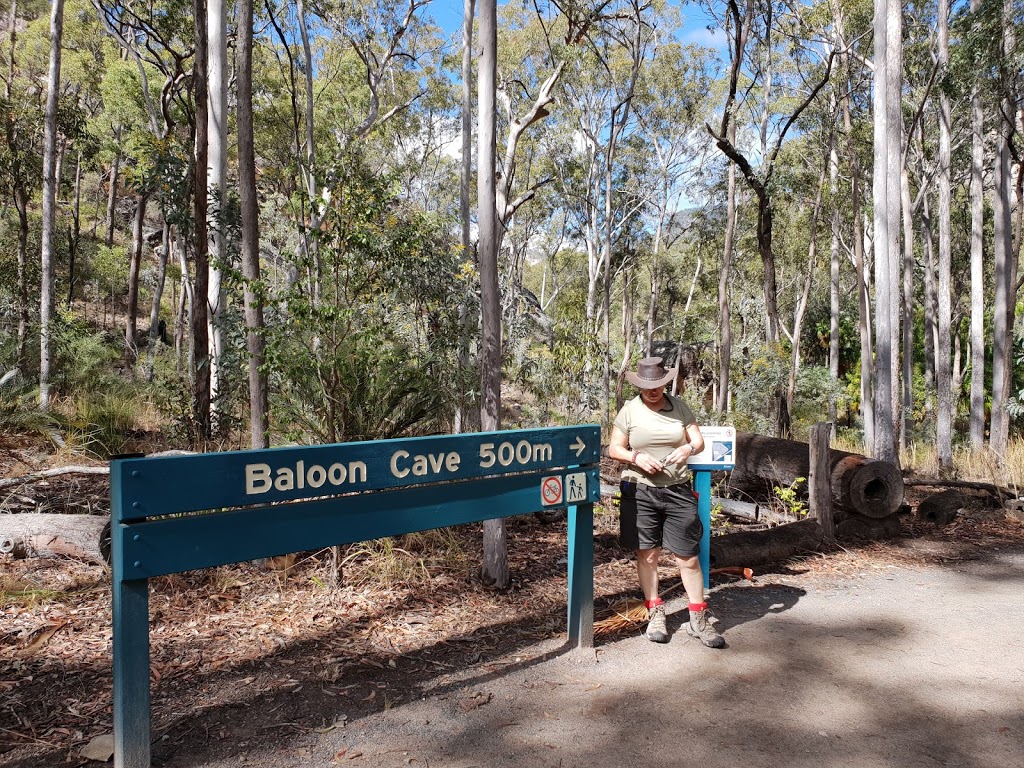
{"x":179,"y":513}
{"x":719,"y":454}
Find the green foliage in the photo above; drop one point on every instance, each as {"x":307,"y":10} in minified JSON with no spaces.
{"x":107,"y":270}
{"x":84,"y":359}
{"x":757,"y":378}
{"x":815,"y":390}
{"x":1015,"y":405}
{"x":19,"y":405}
{"x":101,"y":423}
{"x":790,"y":498}
{"x":365,"y":388}
{"x":363,"y":347}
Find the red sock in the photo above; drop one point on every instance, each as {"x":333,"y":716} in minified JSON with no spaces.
{"x":697,"y":607}
{"x":651,"y":603}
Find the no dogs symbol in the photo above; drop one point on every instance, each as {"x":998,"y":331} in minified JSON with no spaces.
{"x":551,"y":490}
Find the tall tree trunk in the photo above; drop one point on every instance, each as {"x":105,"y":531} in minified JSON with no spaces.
{"x":465,"y":177}
{"x":312,"y":244}
{"x":907,"y":307}
{"x":158,"y":294}
{"x":76,"y":217}
{"x":894,"y":161}
{"x":259,"y":408}
{"x":495,"y":544}
{"x":20,"y":193}
{"x":112,"y":193}
{"x":977,"y":196}
{"x":885,"y":446}
{"x":49,"y":201}
{"x":627,"y":336}
{"x":943,"y":425}
{"x":217,"y":135}
{"x":1003,"y":255}
{"x":931,"y":303}
{"x":200,"y":368}
{"x":135,"y":264}
{"x":724,"y":312}
{"x":833,"y":292}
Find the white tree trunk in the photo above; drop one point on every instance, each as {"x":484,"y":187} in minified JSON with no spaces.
{"x":943,"y":426}
{"x":495,"y":563}
{"x":888,"y":26}
{"x":906,"y":307}
{"x":217,"y":158}
{"x":465,"y":178}
{"x":1005,"y":263}
{"x":863,"y":292}
{"x":49,"y":201}
{"x":248,"y":204}
{"x":833,"y":292}
{"x":977,"y":194}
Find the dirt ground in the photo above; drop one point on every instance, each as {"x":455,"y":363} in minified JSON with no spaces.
{"x":899,"y":653}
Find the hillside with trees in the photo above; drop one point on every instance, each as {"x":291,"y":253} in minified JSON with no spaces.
{"x":242,"y":225}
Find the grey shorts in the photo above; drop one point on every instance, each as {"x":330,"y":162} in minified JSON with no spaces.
{"x":651,"y":517}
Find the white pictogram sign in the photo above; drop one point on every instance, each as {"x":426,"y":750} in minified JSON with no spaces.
{"x":575,"y":487}
{"x":551,"y":490}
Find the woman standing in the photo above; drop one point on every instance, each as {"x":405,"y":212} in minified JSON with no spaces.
{"x":654,"y":434}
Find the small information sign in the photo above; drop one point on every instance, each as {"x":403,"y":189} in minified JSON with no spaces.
{"x":719,"y":449}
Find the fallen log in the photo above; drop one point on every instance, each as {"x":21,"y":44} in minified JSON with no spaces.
{"x":42,"y":534}
{"x":999,"y":492}
{"x":754,"y":548}
{"x":758,"y":513}
{"x":860,"y":527}
{"x":860,"y":485}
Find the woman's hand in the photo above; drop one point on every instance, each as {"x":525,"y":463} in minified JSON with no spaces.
{"x":680,"y":454}
{"x":648,"y":463}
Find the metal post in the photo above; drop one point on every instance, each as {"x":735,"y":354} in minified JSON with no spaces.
{"x":130,"y":623}
{"x":702,"y":485}
{"x":581,"y":576}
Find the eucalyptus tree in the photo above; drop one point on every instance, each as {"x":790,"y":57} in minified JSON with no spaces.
{"x":494,"y":568}
{"x":672,"y":94}
{"x":19,"y":160}
{"x":977,"y":198}
{"x":49,"y":200}
{"x":169,"y":38}
{"x":217,"y":167}
{"x":1006,"y":247}
{"x":851,"y":26}
{"x":943,"y":431}
{"x":253,"y":292}
{"x":775,"y":82}
{"x":888,"y":69}
{"x":597,"y":118}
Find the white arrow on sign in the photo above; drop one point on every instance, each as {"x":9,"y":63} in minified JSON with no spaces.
{"x":579,"y":446}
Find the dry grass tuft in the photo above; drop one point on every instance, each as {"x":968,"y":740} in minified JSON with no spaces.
{"x":979,"y":466}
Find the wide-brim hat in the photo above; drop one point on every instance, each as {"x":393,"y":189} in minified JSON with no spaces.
{"x":651,"y":373}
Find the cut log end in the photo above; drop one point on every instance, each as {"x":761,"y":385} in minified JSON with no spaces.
{"x":872,"y":488}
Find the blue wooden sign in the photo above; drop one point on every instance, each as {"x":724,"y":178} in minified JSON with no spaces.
{"x":177,"y":513}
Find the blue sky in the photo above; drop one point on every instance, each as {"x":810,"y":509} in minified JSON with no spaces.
{"x":448,"y":14}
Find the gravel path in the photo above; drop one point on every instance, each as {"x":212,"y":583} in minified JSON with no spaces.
{"x":893,"y":666}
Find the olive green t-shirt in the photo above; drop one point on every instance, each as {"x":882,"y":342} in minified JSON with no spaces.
{"x":658,"y":434}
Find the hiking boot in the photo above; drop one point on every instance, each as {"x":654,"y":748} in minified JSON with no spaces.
{"x":702,"y":627}
{"x":657,"y":631}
